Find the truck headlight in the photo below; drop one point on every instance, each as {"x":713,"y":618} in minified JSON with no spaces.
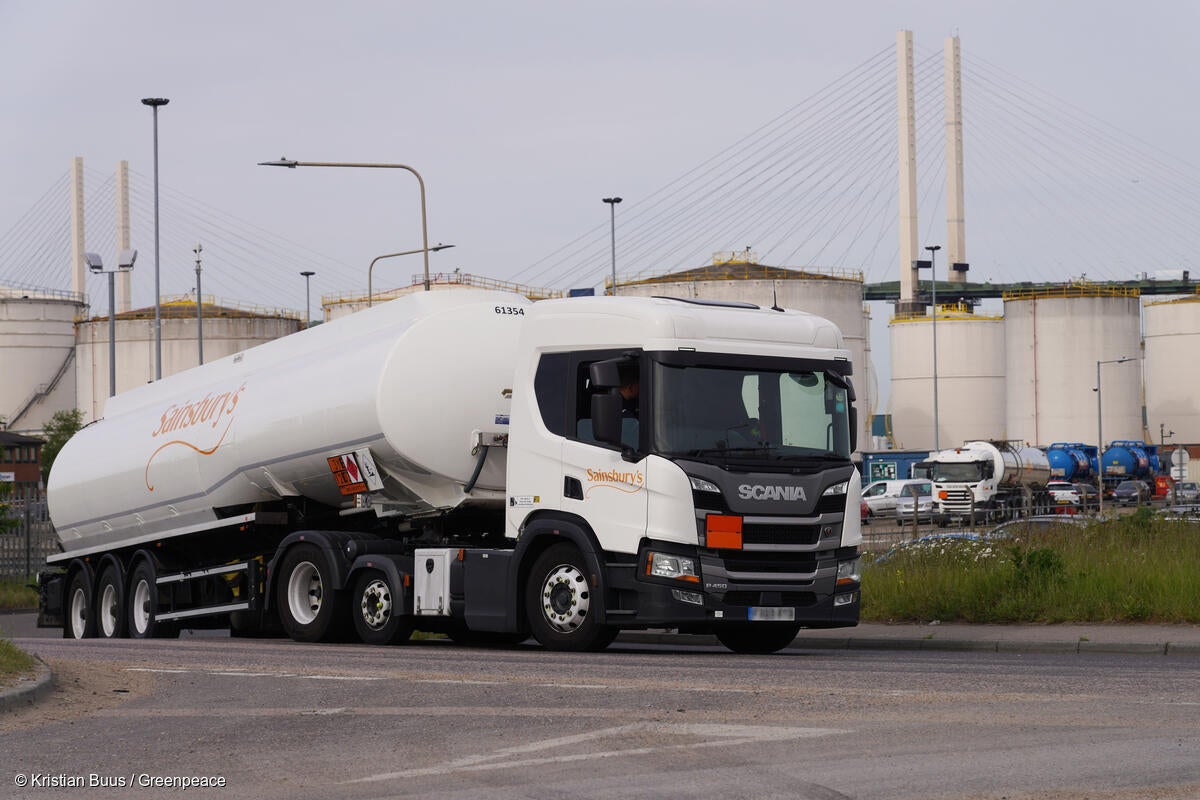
{"x":849,"y":571}
{"x":665,"y":565}
{"x":701,"y":485}
{"x":837,"y":488}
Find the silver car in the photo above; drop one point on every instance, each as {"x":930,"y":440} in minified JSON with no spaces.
{"x":1187,"y":492}
{"x":919,"y":493}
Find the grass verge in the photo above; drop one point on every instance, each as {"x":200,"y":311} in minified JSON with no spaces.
{"x":1133,"y":569}
{"x":16,"y":594}
{"x":14,"y":662}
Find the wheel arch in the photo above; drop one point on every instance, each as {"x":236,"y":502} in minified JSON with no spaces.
{"x":332,"y":543}
{"x":550,"y":528}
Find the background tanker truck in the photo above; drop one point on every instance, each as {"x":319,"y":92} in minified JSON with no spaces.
{"x":992,"y":480}
{"x":1073,"y":462}
{"x":471,"y":463}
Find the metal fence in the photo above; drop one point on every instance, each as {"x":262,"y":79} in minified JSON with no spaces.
{"x":23,"y":548}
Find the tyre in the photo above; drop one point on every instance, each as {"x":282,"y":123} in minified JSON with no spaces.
{"x":79,"y":621}
{"x":376,"y":607}
{"x":756,"y":637}
{"x":310,"y":608}
{"x":110,"y":604}
{"x":558,"y":603}
{"x":141,"y":607}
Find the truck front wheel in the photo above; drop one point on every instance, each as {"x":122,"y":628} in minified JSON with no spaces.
{"x":756,"y":637}
{"x":310,"y":609}
{"x":377,"y":610}
{"x":558,"y":602}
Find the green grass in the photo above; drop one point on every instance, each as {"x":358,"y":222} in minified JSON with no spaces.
{"x":1135,"y":569}
{"x":16,"y":594}
{"x":13,"y":662}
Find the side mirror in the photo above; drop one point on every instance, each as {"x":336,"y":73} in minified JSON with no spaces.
{"x":605,"y":374}
{"x":606,"y":416}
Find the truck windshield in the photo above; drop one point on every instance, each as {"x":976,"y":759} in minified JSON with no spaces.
{"x":753,"y":414}
{"x":961,"y":472}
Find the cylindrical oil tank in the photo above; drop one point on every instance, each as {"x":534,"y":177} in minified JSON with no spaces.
{"x":37,"y":353}
{"x":264,"y":423}
{"x":1172,"y":333}
{"x":1130,"y":460}
{"x":970,"y":378}
{"x":835,"y":295}
{"x":1072,"y":461}
{"x":226,"y":329}
{"x":1053,"y":341}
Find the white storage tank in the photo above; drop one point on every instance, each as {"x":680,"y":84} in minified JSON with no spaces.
{"x":37,"y":352}
{"x":228,"y":329}
{"x":341,"y":304}
{"x":835,"y":295}
{"x":1172,"y":334}
{"x":970,"y":378}
{"x":1053,"y":340}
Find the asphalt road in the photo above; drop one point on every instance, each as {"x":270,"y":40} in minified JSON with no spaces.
{"x":272,"y":718}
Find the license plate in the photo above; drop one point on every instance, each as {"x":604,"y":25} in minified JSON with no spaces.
{"x":772,"y":614}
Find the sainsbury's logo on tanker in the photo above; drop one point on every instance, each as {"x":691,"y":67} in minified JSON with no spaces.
{"x":211,"y":409}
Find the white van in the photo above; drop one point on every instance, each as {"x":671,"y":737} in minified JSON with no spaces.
{"x":881,"y":496}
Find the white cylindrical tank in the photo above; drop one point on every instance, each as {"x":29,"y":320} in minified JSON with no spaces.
{"x":1053,"y":340}
{"x":838,"y":297}
{"x":227,"y":329}
{"x":970,"y":377}
{"x":409,"y":380}
{"x":37,"y":338}
{"x":1172,"y":334}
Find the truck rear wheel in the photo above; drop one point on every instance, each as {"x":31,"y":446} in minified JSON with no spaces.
{"x":756,"y":637}
{"x":558,"y":602}
{"x":79,"y":622}
{"x":376,"y":607}
{"x":310,"y":609}
{"x":141,"y":610}
{"x":110,"y":604}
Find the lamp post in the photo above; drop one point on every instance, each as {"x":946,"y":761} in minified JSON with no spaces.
{"x":1100,"y":430}
{"x":155,"y":103}
{"x":96,"y":265}
{"x":307,"y":302}
{"x":199,"y":309}
{"x":371,"y":269}
{"x":612,"y":207}
{"x":933,"y":248}
{"x":290,"y":164}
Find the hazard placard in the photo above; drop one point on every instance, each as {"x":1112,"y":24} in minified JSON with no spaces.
{"x":355,"y":472}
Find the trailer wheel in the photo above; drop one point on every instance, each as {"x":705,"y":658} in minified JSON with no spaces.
{"x":141,"y":608}
{"x":375,"y":608}
{"x":79,"y":622}
{"x":760,"y":638}
{"x":310,"y":609}
{"x":110,"y":604}
{"x":558,"y":601}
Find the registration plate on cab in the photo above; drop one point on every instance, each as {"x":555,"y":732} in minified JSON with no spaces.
{"x":772,"y":614}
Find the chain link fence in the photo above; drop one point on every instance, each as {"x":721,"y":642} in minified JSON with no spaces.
{"x":24,"y":547}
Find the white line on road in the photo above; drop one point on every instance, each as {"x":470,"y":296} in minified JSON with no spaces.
{"x":247,"y":674}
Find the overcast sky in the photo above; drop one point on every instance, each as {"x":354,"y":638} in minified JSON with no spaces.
{"x":519,"y":115}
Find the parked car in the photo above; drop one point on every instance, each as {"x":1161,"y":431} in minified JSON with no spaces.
{"x":1064,"y":493}
{"x":920,"y":493}
{"x":1088,"y":496}
{"x":1187,"y":492}
{"x":866,"y":512}
{"x":881,"y":496}
{"x":1129,"y":493}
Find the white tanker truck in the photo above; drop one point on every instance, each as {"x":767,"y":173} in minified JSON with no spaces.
{"x":471,"y":463}
{"x":988,"y":480}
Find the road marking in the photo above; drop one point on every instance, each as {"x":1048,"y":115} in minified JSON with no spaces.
{"x":460,"y":681}
{"x":247,"y":674}
{"x":716,"y":735}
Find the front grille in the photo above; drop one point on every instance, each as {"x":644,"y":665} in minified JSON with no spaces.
{"x":746,"y":599}
{"x":803,"y":563}
{"x":780,"y":534}
{"x":831,"y":504}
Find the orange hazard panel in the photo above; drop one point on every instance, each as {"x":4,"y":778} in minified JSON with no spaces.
{"x":723,"y":531}
{"x":345,"y":472}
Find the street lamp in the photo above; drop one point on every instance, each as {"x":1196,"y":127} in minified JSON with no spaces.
{"x":199,"y":309}
{"x":933,"y":248}
{"x":1100,"y":429}
{"x":290,"y":164}
{"x":612,"y":207}
{"x":154,"y":103}
{"x":371,"y":268}
{"x":307,"y":302}
{"x":96,"y":265}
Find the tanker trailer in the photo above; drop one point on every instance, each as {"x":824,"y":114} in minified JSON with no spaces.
{"x":1072,"y":461}
{"x":990,"y":480}
{"x":1126,"y":460}
{"x":462,"y":462}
